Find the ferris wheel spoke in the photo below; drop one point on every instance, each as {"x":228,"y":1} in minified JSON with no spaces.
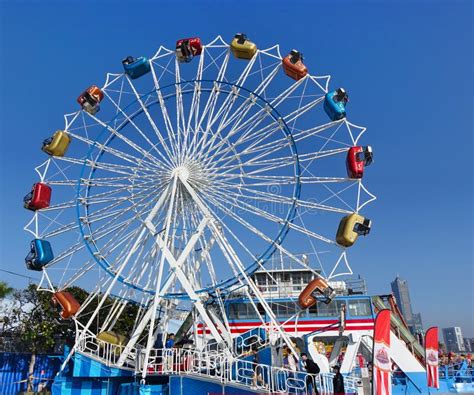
{"x":140,"y":132}
{"x":220,"y":77}
{"x":211,"y":102}
{"x":268,"y":197}
{"x":218,"y":148}
{"x":103,"y":231}
{"x":321,"y":154}
{"x":289,"y":118}
{"x":265,"y":149}
{"x":142,"y":188}
{"x":114,"y":201}
{"x":257,"y":161}
{"x":232,"y":95}
{"x":248,"y":134}
{"x":129,"y":142}
{"x":241,"y":111}
{"x":180,"y":119}
{"x":273,"y":218}
{"x":263,"y":165}
{"x":245,"y":107}
{"x":164,"y":111}
{"x":110,"y":150}
{"x":142,"y":265}
{"x":169,"y":156}
{"x":195,"y":102}
{"x":324,"y":180}
{"x":145,"y":199}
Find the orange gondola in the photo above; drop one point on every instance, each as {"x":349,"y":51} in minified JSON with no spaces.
{"x":69,"y":305}
{"x":319,"y":286}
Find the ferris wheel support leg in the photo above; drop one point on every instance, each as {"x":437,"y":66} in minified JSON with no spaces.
{"x":179,"y":273}
{"x":157,"y":297}
{"x":233,"y":259}
{"x":135,"y":246}
{"x":179,"y":263}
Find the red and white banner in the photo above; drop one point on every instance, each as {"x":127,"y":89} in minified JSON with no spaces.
{"x":431,"y":357}
{"x":382,"y":365}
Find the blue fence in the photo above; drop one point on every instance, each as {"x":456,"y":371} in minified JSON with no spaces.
{"x":14,"y":371}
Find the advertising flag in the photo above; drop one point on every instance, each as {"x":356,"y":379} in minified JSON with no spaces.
{"x":431,"y":357}
{"x":382,"y":366}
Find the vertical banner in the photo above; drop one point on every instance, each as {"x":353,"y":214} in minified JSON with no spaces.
{"x":381,"y":363}
{"x":431,"y":357}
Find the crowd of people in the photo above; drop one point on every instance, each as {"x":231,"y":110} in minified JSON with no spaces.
{"x":453,"y":359}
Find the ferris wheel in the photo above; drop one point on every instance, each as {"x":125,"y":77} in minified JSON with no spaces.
{"x":183,"y":174}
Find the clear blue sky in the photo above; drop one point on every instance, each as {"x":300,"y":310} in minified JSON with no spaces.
{"x":407,"y":67}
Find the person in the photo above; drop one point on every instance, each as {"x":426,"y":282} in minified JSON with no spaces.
{"x":169,"y":344}
{"x":170,"y":341}
{"x":292,"y":363}
{"x":312,"y":368}
{"x":338,"y":381}
{"x":257,"y":370}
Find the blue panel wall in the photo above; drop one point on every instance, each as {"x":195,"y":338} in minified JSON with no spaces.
{"x":14,"y":371}
{"x":87,"y":367}
{"x":194,"y":386}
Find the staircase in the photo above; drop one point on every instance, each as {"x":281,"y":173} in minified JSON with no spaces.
{"x":400,"y":328}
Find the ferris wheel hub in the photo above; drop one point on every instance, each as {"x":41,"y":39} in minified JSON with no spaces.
{"x":182,"y":172}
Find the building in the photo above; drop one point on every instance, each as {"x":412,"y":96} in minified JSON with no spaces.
{"x":402,"y":295}
{"x":468,"y":343}
{"x":416,"y":324}
{"x":453,"y":339}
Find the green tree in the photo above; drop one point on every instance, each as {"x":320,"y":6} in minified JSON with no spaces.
{"x":36,"y":322}
{"x":5,"y":290}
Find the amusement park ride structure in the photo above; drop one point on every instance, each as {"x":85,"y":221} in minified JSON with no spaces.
{"x":176,"y":183}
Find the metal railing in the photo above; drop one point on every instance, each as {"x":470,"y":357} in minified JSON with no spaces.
{"x":107,"y":353}
{"x":456,"y":374}
{"x":240,"y":372}
{"x":216,"y":366}
{"x":254,"y":338}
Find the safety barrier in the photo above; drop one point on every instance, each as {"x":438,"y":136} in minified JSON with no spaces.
{"x":215,"y":366}
{"x":239,"y":372}
{"x":254,"y":338}
{"x":105,"y":352}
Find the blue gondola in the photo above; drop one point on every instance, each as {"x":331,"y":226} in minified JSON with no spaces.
{"x":135,"y":68}
{"x":40,"y":254}
{"x":335,"y":104}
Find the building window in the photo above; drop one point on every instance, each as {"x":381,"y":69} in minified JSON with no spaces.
{"x":233,"y":311}
{"x":284,"y":309}
{"x":359,"y":308}
{"x":321,"y":309}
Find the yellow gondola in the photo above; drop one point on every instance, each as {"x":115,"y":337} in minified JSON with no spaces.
{"x":58,"y":144}
{"x":350,"y":227}
{"x":242,"y":48}
{"x":112,"y":338}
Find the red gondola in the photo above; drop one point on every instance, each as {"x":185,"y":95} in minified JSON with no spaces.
{"x":357,"y":158}
{"x":38,"y":198}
